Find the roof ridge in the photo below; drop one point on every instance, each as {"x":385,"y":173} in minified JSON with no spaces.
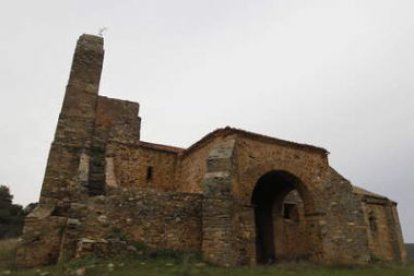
{"x":230,"y":130}
{"x":161,"y":146}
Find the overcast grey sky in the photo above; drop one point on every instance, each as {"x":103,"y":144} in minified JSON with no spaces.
{"x":333,"y":73}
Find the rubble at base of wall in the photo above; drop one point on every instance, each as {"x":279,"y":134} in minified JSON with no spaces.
{"x":101,"y":225}
{"x":103,"y":248}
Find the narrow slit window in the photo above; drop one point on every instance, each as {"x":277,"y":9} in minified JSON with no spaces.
{"x":373,"y":223}
{"x":149,"y":173}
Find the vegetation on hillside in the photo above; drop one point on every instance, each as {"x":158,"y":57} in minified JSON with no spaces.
{"x":11,"y":215}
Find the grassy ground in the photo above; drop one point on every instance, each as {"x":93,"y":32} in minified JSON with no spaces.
{"x":172,"y":263}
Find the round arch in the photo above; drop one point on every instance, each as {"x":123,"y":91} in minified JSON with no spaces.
{"x":280,"y":201}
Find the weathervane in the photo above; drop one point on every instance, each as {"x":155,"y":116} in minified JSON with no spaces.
{"x":102,"y":30}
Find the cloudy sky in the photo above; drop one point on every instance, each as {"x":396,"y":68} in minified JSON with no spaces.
{"x":333,"y":73}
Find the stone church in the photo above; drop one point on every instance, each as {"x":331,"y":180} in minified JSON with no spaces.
{"x":239,"y":198}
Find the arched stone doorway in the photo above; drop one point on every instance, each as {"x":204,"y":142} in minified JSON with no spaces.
{"x":279,"y":199}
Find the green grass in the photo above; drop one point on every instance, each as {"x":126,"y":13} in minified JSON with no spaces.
{"x":7,"y":251}
{"x":168,"y":262}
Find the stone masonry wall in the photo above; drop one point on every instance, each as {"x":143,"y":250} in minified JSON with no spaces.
{"x":378,"y":231}
{"x":193,"y":167}
{"x":343,"y":230}
{"x":383,"y":229}
{"x":41,"y":238}
{"x":141,"y":167}
{"x":160,"y":220}
{"x":219,"y":225}
{"x":255,"y":158}
{"x":401,"y":253}
{"x":117,"y":120}
{"x":75,"y":125}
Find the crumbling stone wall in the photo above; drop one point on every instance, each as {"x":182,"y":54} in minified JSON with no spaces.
{"x":42,"y":237}
{"x":161,"y":220}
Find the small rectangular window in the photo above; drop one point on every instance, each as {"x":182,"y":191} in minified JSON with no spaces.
{"x":290,"y":211}
{"x":373,"y":222}
{"x":149,"y":173}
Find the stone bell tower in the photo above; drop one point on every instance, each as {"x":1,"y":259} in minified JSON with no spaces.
{"x":77,"y":162}
{"x":67,"y":170}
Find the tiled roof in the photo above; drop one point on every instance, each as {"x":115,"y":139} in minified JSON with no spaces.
{"x":361,"y":191}
{"x":229,"y":130}
{"x":160,"y":147}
